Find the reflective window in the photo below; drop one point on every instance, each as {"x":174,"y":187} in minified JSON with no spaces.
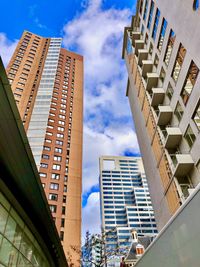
{"x":145,"y":10}
{"x":196,"y":116}
{"x":150,"y":15}
{"x":162,"y":34}
{"x":170,"y":45}
{"x":178,"y":111}
{"x":169,"y":91}
{"x":18,"y":246}
{"x":155,"y":27}
{"x":190,"y":136}
{"x":178,"y":63}
{"x":141,"y":6}
{"x":196,"y":4}
{"x":189,"y":82}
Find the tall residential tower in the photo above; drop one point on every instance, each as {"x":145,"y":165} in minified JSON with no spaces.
{"x":161,"y":50}
{"x":47,"y":82}
{"x":125,"y":201}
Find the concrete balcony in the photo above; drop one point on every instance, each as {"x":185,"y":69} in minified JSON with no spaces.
{"x":135,"y":36}
{"x":164,"y":114}
{"x":182,"y":164}
{"x":173,"y":137}
{"x":147,"y":66}
{"x":139,"y":44}
{"x":157,"y":95}
{"x":151,"y":80}
{"x":142,"y":55}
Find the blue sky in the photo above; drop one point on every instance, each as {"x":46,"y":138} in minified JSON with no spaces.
{"x":93,"y":28}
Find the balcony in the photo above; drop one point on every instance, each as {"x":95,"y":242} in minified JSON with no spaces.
{"x":173,"y":137}
{"x":139,"y":44}
{"x":164,"y":114}
{"x":147,"y":66}
{"x":152,"y":80}
{"x":135,"y":36}
{"x":142,"y":55}
{"x":157,"y":95}
{"x":181,"y":164}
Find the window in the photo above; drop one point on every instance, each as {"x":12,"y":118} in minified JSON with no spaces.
{"x":170,"y":45}
{"x":62,"y":111}
{"x":150,"y":15}
{"x":196,"y":5}
{"x":61,"y":122}
{"x":179,"y":62}
{"x":64,"y":199}
{"x":43,"y":165}
{"x":62,"y":222}
{"x":63,"y":210}
{"x":150,"y":49}
{"x":53,"y":196}
{"x":141,"y":6}
{"x":155,"y":27}
{"x":55,"y":176}
{"x":44,"y":175}
{"x":58,"y":150}
{"x":54,"y":186}
{"x":56,"y":167}
{"x":145,"y":10}
{"x":162,"y":75}
{"x":61,"y":129}
{"x":189,"y":82}
{"x":169,"y":91}
{"x":142,"y":30}
{"x":53,"y":208}
{"x":46,"y":148}
{"x":58,"y":142}
{"x":57,"y":158}
{"x":44,"y":156}
{"x":60,"y":135}
{"x":162,"y":34}
{"x":61,"y":235}
{"x":196,"y":116}
{"x":65,"y":188}
{"x":178,"y":111}
{"x":190,"y":136}
{"x":156,"y":61}
{"x":62,"y":117}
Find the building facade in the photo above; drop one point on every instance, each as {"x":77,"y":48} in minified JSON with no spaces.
{"x":47,"y":83}
{"x":161,"y":53}
{"x":28,"y":236}
{"x":93,"y":251}
{"x":125,"y":202}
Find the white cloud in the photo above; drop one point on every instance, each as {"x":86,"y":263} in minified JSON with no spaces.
{"x":91,"y":215}
{"x":7,"y":48}
{"x":108,"y":128}
{"x":98,"y":34}
{"x":113,"y":141}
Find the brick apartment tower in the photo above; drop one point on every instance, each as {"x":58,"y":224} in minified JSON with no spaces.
{"x":47,"y":82}
{"x":161,"y":51}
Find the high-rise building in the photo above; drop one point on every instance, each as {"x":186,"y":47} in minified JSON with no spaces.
{"x":161,"y":53}
{"x":125,"y":202}
{"x":28,"y":236}
{"x":47,"y":82}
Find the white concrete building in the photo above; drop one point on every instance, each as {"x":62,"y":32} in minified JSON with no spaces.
{"x":125,"y":202}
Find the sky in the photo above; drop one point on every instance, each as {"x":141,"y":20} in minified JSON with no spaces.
{"x":93,"y":28}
